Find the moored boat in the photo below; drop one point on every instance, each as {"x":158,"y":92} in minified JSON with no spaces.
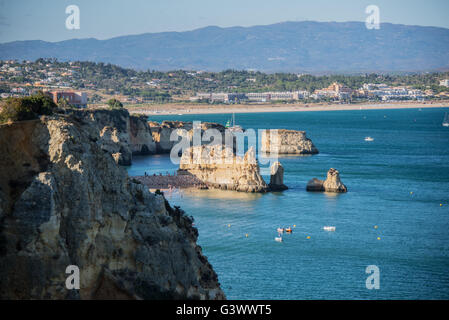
{"x":234,"y":128}
{"x":446,"y":120}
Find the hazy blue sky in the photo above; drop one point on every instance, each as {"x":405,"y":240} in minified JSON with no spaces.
{"x":101,"y":19}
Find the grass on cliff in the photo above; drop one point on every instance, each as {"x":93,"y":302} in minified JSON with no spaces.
{"x":27,"y":108}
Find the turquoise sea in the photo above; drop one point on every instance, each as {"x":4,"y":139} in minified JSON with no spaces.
{"x":399,"y":183}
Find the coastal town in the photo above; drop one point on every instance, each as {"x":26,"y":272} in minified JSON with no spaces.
{"x":335,"y":91}
{"x":85,"y":84}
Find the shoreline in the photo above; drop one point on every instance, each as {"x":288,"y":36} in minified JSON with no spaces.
{"x":186,"y":109}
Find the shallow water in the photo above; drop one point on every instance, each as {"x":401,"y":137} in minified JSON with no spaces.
{"x":397,"y":182}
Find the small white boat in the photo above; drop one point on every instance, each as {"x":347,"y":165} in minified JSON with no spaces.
{"x":280,"y":230}
{"x":446,"y":120}
{"x":369,"y":139}
{"x":329,"y":228}
{"x":278,"y":239}
{"x":234,"y":128}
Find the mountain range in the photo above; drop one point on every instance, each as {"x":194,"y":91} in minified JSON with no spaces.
{"x":303,"y":47}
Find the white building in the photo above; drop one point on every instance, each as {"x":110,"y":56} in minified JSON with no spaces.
{"x":282,"y":95}
{"x":386,"y":92}
{"x":444,"y":82}
{"x":213,"y":97}
{"x":258,"y":96}
{"x":253,"y":96}
{"x":277,"y":96}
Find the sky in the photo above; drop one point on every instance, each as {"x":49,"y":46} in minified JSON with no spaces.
{"x":104,"y":19}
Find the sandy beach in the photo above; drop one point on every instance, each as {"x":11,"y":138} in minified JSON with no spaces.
{"x":169,"y":182}
{"x":181,"y":109}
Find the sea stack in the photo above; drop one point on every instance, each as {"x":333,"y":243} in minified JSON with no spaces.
{"x":331,"y":184}
{"x":282,"y":141}
{"x":277,"y":177}
{"x":218,"y":167}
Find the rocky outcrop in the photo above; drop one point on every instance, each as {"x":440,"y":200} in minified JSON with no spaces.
{"x":331,"y":184}
{"x":282,"y":141}
{"x":277,"y":177}
{"x":161,"y":135}
{"x":218,"y":167}
{"x":121,"y":135}
{"x":64,"y":201}
{"x":162,"y":131}
{"x":315,"y":185}
{"x":140,"y":138}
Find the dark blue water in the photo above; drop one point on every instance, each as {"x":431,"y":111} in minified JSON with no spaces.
{"x":399,"y":183}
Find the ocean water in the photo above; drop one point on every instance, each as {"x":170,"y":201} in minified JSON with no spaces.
{"x":398,"y":183}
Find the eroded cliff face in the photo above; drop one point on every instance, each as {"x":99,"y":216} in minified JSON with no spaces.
{"x":218,"y":167}
{"x":140,"y":137}
{"x":121,"y":134}
{"x":161,"y":132}
{"x":64,"y":201}
{"x":287,"y":142}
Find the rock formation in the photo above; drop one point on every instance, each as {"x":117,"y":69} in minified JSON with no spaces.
{"x":64,"y":201}
{"x":121,"y":135}
{"x":161,"y":135}
{"x":287,"y":142}
{"x":218,"y":167}
{"x":331,"y":184}
{"x":277,"y":177}
{"x":140,"y":137}
{"x":315,"y":185}
{"x":162,"y":131}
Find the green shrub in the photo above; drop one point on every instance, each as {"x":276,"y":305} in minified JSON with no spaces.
{"x":64,"y":103}
{"x":27,"y":108}
{"x":115,"y":104}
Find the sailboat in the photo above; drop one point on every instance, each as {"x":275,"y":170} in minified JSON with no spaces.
{"x":234,"y":127}
{"x":446,"y":120}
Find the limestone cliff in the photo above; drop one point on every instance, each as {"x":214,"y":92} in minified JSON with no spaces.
{"x":331,"y":184}
{"x":162,"y":131}
{"x":121,"y":134}
{"x":218,"y":167}
{"x":287,"y":142}
{"x":64,"y":201}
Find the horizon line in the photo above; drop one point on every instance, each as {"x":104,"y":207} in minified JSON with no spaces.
{"x":219,"y":27}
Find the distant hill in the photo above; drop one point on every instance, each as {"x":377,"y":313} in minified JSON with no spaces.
{"x":313,"y":47}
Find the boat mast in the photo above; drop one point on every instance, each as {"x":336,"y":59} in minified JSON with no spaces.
{"x":446,"y":120}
